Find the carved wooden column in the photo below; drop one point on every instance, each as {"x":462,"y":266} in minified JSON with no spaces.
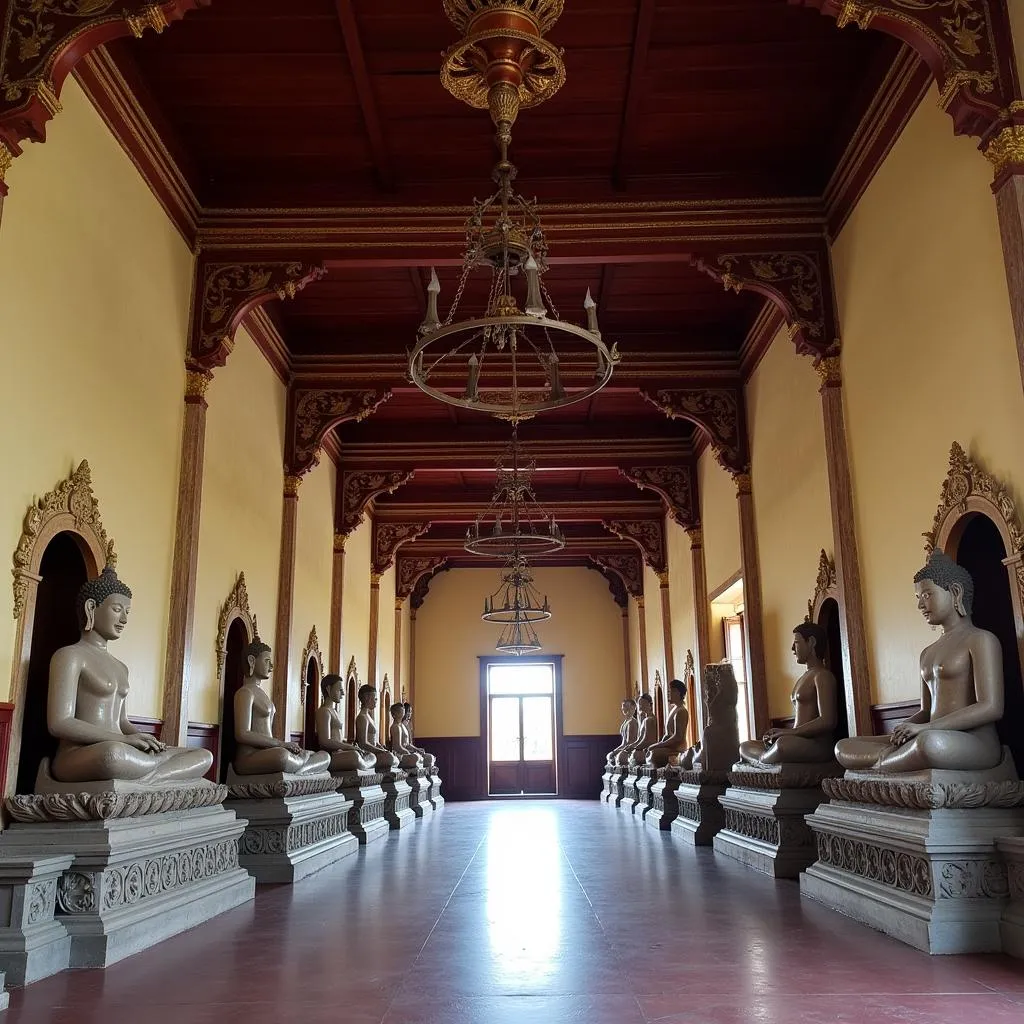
{"x":642,"y":620}
{"x":627,"y":653}
{"x":856,"y":670}
{"x":371,"y":669}
{"x":337,"y":594}
{"x":701,"y":619}
{"x":754,"y":609}
{"x":1006,"y":151}
{"x":397,"y":674}
{"x":178,"y":660}
{"x":666,"y":625}
{"x":412,"y":655}
{"x":285,"y":602}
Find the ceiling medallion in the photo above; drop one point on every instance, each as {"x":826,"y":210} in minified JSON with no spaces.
{"x":519,"y":526}
{"x":510,"y":359}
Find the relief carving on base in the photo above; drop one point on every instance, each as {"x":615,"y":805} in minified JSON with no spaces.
{"x":36,"y":808}
{"x":763,"y":828}
{"x":926,"y":795}
{"x":282,"y":788}
{"x":894,"y":868}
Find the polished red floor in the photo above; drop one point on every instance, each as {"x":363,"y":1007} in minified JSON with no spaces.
{"x":540,"y":912}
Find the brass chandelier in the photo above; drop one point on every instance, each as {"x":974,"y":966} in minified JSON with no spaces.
{"x":517,"y":605}
{"x":510,"y":361}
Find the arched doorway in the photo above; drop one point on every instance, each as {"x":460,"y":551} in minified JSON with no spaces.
{"x":234,"y":672}
{"x":351,"y":698}
{"x":981,"y":552}
{"x":311,"y":688}
{"x":659,"y":705}
{"x":54,"y":625}
{"x":829,"y":620}
{"x":384,"y":726}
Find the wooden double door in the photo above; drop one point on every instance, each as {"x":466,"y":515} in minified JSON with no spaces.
{"x":521,"y":734}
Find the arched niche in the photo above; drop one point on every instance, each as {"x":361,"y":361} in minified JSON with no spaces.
{"x":825,"y":610}
{"x":659,"y":703}
{"x":351,"y":698}
{"x":385,"y":712}
{"x":977,"y":524}
{"x":236,"y":629}
{"x":311,"y":671}
{"x":62,"y":544}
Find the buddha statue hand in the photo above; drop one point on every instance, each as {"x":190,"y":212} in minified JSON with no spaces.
{"x":292,"y":748}
{"x":146,"y":743}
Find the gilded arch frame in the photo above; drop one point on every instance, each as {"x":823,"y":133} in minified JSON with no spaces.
{"x":311,"y":652}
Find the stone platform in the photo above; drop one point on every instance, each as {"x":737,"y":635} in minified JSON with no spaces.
{"x":664,"y":807}
{"x":104,"y":871}
{"x":419,"y":792}
{"x":366,"y":814}
{"x":1011,"y":927}
{"x":609,"y":785}
{"x":700,"y":816}
{"x":764,"y":812}
{"x":915,"y":856}
{"x":645,"y":779}
{"x":297,"y":824}
{"x":434,"y":792}
{"x":397,"y":792}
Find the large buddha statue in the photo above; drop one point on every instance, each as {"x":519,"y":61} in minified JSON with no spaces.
{"x":961,"y":688}
{"x":627,"y":730}
{"x":366,"y":731}
{"x":86,"y":709}
{"x":814,"y":697}
{"x":673,"y":743}
{"x":647,"y":733}
{"x":345,"y":757}
{"x":408,"y":759}
{"x":428,"y":759}
{"x":259,"y":752}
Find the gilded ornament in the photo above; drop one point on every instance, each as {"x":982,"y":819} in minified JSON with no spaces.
{"x":829,"y":370}
{"x":689,"y":669}
{"x":235,"y":607}
{"x":826,"y":582}
{"x":716,"y":411}
{"x":1006,"y":148}
{"x":316,"y":412}
{"x":673,"y":483}
{"x":311,"y":650}
{"x":409,"y":570}
{"x":291,"y":485}
{"x":855,"y":12}
{"x":696,"y":535}
{"x":743,"y":484}
{"x":388,"y":537}
{"x":6,"y":159}
{"x":647,"y":534}
{"x":149,"y":17}
{"x":628,"y":568}
{"x":359,"y":488}
{"x":339,"y":541}
{"x":197,"y":382}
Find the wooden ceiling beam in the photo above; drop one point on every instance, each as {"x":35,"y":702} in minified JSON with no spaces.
{"x":637,"y":63}
{"x":364,"y":92}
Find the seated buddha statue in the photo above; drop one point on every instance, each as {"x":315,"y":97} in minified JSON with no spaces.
{"x":647,"y":733}
{"x":961,"y":688}
{"x":345,"y":757}
{"x":428,"y":759}
{"x":627,"y":730}
{"x":673,"y":743}
{"x":814,"y":698}
{"x":86,"y":708}
{"x":259,"y":752}
{"x":366,"y":731}
{"x":407,"y":759}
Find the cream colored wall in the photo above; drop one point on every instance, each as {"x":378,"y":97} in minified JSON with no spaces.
{"x":94,"y":288}
{"x":406,"y":675}
{"x":929,"y":358}
{"x":634,"y":644}
{"x":720,"y":522}
{"x":355,"y":607}
{"x":386,"y":632}
{"x":240,"y":525}
{"x":314,"y":548}
{"x":585,"y":627}
{"x":791,"y":501}
{"x":655,"y":629}
{"x":680,"y":588}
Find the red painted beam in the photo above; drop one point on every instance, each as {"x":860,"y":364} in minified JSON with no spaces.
{"x":637,"y":63}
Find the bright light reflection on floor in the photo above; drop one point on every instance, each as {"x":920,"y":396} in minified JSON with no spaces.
{"x":524,"y":895}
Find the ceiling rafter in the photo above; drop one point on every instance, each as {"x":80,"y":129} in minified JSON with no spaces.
{"x":637,"y":63}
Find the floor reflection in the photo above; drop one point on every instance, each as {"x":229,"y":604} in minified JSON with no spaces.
{"x":524,"y":893}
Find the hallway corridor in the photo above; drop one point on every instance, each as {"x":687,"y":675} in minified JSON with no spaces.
{"x":540,"y":912}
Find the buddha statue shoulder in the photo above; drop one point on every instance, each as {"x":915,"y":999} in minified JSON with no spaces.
{"x":647,"y":732}
{"x":961,"y":688}
{"x":408,"y":759}
{"x":366,"y":731}
{"x":673,"y":743}
{"x":627,"y":730}
{"x":428,"y":759}
{"x":259,"y":752}
{"x":815,"y":698}
{"x":330,"y":732}
{"x":87,"y":705}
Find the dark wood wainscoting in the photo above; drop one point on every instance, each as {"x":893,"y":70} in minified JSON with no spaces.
{"x":579,"y":776}
{"x":207,"y":737}
{"x":460,"y":760}
{"x":6,"y":717}
{"x":885,"y":717}
{"x":150,"y":726}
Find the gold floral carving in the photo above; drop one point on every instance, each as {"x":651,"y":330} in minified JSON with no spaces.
{"x":197,"y":382}
{"x":422,"y":585}
{"x":826,"y":583}
{"x":696,"y":535}
{"x":674,"y":484}
{"x":71,"y":497}
{"x":966,"y":479}
{"x":1006,"y":148}
{"x":149,"y":17}
{"x":6,"y":159}
{"x":689,"y":669}
{"x":388,"y":537}
{"x":339,"y":541}
{"x":829,"y":370}
{"x":647,"y":534}
{"x":311,"y":650}
{"x":317,"y":411}
{"x":236,"y":606}
{"x":351,"y":675}
{"x":360,"y":487}
{"x":292,"y":483}
{"x":409,"y":569}
{"x":716,"y":411}
{"x":743,"y":482}
{"x":629,"y":568}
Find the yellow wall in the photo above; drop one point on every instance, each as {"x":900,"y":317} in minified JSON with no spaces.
{"x":355,"y":611}
{"x":406,"y":633}
{"x":585,"y":627}
{"x":929,"y":358}
{"x":94,"y":288}
{"x":655,"y":629}
{"x":240,"y":528}
{"x":720,"y":522}
{"x":634,"y":645}
{"x":680,"y":584}
{"x":386,"y":632}
{"x":791,"y":501}
{"x":314,"y":548}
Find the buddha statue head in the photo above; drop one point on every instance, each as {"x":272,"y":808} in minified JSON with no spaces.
{"x":257,"y":657}
{"x":646,"y":704}
{"x":676,"y":691}
{"x":943,"y":589}
{"x":367,"y":697}
{"x":397,"y":712}
{"x":332,"y":687}
{"x":809,"y":641}
{"x":407,"y":710}
{"x":103,"y":605}
{"x":629,"y":707}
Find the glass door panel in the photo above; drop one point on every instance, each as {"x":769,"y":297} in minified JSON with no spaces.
{"x":506,"y":738}
{"x":538,"y":726}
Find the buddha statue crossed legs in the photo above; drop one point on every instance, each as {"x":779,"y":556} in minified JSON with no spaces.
{"x":366,"y":731}
{"x":428,"y":759}
{"x":408,"y":759}
{"x":673,"y":743}
{"x":86,"y":709}
{"x":627,"y":730}
{"x":961,"y":688}
{"x":345,"y":757}
{"x":259,"y":751}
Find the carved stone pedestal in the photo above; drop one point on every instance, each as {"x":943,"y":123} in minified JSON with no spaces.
{"x":700,"y":816}
{"x":645,"y":778}
{"x":764,"y":816}
{"x":917,"y":858}
{"x":145,"y":864}
{"x":628,"y":800}
{"x":664,"y":807}
{"x":611,"y":783}
{"x":366,"y":813}
{"x":434,"y":793}
{"x":419,"y":792}
{"x":33,"y":944}
{"x":297,"y":824}
{"x":397,"y":791}
{"x":1011,"y":928}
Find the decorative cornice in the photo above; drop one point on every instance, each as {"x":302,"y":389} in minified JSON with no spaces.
{"x":410,"y":568}
{"x":422,"y":585}
{"x":718,"y":412}
{"x":359,"y":488}
{"x":388,"y":537}
{"x":676,"y":485}
{"x":647,"y":534}
{"x":616,"y":583}
{"x":314,"y":412}
{"x":628,"y":568}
